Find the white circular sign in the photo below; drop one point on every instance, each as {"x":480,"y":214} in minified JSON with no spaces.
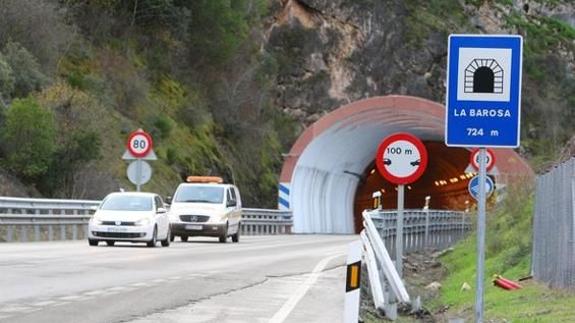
{"x":401,"y":158}
{"x":139,"y":143}
{"x":145,"y":172}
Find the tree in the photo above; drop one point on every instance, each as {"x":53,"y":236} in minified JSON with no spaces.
{"x":29,"y":138}
{"x":27,"y":74}
{"x":6,"y":80}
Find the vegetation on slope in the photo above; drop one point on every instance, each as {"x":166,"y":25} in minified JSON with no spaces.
{"x":509,"y":232}
{"x":92,"y":71}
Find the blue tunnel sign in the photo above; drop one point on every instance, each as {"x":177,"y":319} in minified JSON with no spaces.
{"x":483,"y":107}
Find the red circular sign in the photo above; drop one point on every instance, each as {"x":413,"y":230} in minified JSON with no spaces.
{"x":139,"y":143}
{"x":474,"y":156}
{"x":401,"y":158}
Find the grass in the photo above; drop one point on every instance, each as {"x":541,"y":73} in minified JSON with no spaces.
{"x":508,"y":234}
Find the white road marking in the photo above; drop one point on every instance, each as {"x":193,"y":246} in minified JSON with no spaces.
{"x":43,"y":303}
{"x":70,"y":298}
{"x":95,"y":293}
{"x":15,"y":308}
{"x":291,"y":303}
{"x":140,"y":285}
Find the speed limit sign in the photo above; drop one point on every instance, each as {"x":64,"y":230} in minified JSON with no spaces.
{"x":139,"y":143}
{"x":489,"y":159}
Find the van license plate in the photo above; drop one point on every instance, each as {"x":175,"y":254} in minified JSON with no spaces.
{"x":194,"y":227}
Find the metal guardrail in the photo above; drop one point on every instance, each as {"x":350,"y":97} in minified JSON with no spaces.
{"x":264,"y":221}
{"x":423,"y":229}
{"x":26,"y":219}
{"x":387,"y":288}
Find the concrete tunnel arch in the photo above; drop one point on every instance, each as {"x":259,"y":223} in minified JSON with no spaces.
{"x":328,"y":175}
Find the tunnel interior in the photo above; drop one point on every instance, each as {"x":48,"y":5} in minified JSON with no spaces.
{"x":444,"y":181}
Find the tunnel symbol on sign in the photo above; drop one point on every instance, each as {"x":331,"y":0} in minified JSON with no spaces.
{"x":483,"y":76}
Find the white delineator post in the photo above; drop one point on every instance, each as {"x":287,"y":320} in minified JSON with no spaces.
{"x":353,"y":282}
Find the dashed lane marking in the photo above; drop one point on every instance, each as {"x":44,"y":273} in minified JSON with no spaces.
{"x":15,"y":308}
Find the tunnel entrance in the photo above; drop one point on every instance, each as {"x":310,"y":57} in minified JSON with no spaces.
{"x":444,"y":181}
{"x":327,"y":178}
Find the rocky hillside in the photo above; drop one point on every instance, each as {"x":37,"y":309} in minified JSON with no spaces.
{"x":226,"y":86}
{"x":333,"y":52}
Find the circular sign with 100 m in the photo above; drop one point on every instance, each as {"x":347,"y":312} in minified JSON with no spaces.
{"x":401,"y":158}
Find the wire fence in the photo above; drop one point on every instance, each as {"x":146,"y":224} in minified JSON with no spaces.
{"x":553,"y":258}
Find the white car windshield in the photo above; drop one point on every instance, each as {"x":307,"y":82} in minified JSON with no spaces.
{"x":200,"y":194}
{"x":127,"y":203}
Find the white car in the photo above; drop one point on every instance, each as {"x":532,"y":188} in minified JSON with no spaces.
{"x":131,"y":217}
{"x":202,"y":207}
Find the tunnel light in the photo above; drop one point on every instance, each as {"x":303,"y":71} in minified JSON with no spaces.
{"x":409,"y":187}
{"x":372,"y":171}
{"x":463,"y":177}
{"x":437,"y":183}
{"x":382,"y":190}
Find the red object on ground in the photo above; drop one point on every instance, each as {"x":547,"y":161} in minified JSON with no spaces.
{"x":510,"y":282}
{"x":502,"y":284}
{"x":505,"y":283}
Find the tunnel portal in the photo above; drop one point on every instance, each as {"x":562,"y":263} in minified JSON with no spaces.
{"x":329,"y":175}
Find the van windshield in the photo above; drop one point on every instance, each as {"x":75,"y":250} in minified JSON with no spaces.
{"x":200,"y":194}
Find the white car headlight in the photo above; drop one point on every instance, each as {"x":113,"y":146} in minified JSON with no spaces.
{"x":144,"y":221}
{"x":95,"y":221}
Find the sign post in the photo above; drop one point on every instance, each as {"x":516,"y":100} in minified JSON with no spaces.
{"x":139,"y":147}
{"x":483,"y":109}
{"x":401,"y":159}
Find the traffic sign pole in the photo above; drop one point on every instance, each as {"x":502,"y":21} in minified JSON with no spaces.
{"x":399,"y":234}
{"x":138,"y":174}
{"x":481,"y":219}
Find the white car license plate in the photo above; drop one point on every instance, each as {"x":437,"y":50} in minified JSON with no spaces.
{"x":194,"y":227}
{"x":115,"y":229}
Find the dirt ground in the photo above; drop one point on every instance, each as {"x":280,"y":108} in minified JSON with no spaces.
{"x":420,"y":270}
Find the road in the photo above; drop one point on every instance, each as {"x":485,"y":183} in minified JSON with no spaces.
{"x":297,"y":278}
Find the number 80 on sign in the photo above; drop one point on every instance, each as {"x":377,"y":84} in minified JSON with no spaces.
{"x":139,"y":143}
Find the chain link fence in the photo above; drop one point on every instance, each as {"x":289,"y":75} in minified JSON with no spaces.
{"x":553,"y":258}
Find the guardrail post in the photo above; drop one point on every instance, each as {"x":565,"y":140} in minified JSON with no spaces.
{"x":62,"y":232}
{"x":50,"y":232}
{"x":23,"y":233}
{"x":427,"y":229}
{"x":74,"y":232}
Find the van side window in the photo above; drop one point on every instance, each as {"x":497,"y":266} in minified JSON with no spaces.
{"x":233,"y":191}
{"x":229,"y":195}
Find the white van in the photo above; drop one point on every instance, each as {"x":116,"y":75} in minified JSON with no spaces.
{"x":204,"y":206}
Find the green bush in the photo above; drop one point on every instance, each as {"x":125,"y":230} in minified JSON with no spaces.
{"x":164,"y":125}
{"x":27,"y":74}
{"x":6,"y":79}
{"x":29,"y":138}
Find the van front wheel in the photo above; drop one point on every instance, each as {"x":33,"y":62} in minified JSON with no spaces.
{"x":224,"y":236}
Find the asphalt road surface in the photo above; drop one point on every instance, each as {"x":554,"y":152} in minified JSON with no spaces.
{"x":298,"y":278}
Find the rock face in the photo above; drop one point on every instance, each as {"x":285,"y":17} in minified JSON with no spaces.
{"x":331,"y":52}
{"x":334,"y":52}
